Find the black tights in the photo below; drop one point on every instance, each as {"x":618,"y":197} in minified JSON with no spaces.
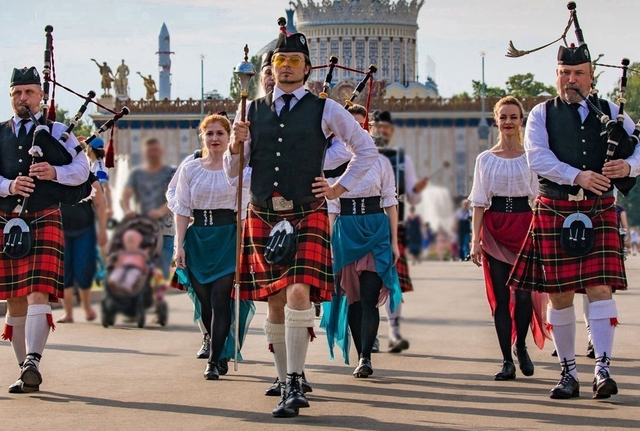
{"x":364,"y":316}
{"x":215,"y":308}
{"x":524,"y":309}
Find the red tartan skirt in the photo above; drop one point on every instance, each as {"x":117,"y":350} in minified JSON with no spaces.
{"x":544,"y":266}
{"x":43,"y":269}
{"x":403,"y":267}
{"x":311,"y":264}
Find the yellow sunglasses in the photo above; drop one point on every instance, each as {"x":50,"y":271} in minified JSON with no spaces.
{"x":294,"y":61}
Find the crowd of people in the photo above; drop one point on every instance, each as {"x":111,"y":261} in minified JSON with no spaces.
{"x":541,"y":220}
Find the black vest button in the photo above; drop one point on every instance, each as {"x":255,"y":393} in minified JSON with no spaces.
{"x":278,"y":154}
{"x":275,"y":184}
{"x":279,"y":139}
{"x":20,"y":160}
{"x":277,"y":169}
{"x":282,"y":125}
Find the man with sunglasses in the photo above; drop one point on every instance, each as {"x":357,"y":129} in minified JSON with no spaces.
{"x":285,"y":138}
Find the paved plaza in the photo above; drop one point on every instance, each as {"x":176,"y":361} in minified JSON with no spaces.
{"x":125,"y":378}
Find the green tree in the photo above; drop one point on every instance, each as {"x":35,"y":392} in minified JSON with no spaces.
{"x":84,"y":128}
{"x":631,"y":203}
{"x":524,"y":85}
{"x":254,"y":84}
{"x":489,"y":91}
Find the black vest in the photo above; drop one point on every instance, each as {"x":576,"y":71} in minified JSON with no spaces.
{"x":286,"y":156}
{"x":573,"y":142}
{"x":396,"y":157}
{"x":15,"y":160}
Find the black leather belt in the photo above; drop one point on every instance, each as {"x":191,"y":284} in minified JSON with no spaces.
{"x":360,"y":206}
{"x":502,"y":204}
{"x":219,"y":217}
{"x":278,"y":203}
{"x":582,"y":195}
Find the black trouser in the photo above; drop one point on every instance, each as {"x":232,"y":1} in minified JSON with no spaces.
{"x":364,"y":316}
{"x":524,"y":308}
{"x":215,"y":309}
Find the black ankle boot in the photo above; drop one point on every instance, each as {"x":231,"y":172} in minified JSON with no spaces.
{"x":223,"y":367}
{"x":295,"y":396}
{"x":508,"y":371}
{"x":211,"y":372}
{"x":524,"y":361}
{"x":281,"y":410}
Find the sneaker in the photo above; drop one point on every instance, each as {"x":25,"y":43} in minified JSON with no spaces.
{"x":397,"y":345}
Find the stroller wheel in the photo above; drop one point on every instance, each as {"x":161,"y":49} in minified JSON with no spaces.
{"x":162,"y":310}
{"x":105,"y":316}
{"x":140,"y":314}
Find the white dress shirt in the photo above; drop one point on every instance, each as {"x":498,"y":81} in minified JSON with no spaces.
{"x":72,"y":174}
{"x":335,"y":120}
{"x":171,"y":188}
{"x":378,"y":181}
{"x":545,"y":163}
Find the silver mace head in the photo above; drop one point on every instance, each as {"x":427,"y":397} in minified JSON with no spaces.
{"x":245,"y":71}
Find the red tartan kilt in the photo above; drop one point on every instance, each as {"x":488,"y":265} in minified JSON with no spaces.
{"x":43,"y":269}
{"x":403,"y":267}
{"x":544,"y":266}
{"x":311,"y":264}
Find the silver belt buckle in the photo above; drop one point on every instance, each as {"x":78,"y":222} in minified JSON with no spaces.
{"x":281,"y":204}
{"x":577,"y":197}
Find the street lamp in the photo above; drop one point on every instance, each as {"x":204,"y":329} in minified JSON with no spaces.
{"x":483,"y":126}
{"x":201,"y":87}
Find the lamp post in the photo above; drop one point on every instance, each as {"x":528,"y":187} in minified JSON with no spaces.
{"x":483,"y":126}
{"x":244,"y":71}
{"x":201,"y":87}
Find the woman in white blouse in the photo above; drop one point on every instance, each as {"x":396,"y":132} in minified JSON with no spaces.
{"x":364,"y":241}
{"x":503,"y":189}
{"x":205,"y":255}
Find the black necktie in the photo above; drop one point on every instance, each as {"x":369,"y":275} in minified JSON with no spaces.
{"x":23,"y":129}
{"x":287,"y":105}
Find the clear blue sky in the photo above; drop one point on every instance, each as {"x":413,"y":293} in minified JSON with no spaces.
{"x":452,"y":32}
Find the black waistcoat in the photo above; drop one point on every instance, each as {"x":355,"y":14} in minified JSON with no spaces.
{"x":573,"y":142}
{"x":14,"y":161}
{"x":286,"y":156}
{"x":396,"y":157}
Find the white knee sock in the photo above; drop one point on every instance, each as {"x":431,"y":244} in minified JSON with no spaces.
{"x":297,"y":334}
{"x":603,"y":318}
{"x":275,"y":338}
{"x":203,"y":329}
{"x":14,"y":332}
{"x":563,"y":324}
{"x":39,"y":321}
{"x":585,"y":313}
{"x":394,"y":320}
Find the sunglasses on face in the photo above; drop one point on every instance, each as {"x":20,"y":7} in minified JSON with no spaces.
{"x":280,"y":60}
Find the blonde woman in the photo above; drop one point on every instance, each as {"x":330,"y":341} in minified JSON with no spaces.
{"x":503,"y":189}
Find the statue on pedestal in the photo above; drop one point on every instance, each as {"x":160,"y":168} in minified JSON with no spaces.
{"x":150,"y":85}
{"x":122,"y":82}
{"x":107,"y":77}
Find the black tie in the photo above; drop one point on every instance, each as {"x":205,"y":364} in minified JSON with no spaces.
{"x":23,"y":128}
{"x":287,"y":105}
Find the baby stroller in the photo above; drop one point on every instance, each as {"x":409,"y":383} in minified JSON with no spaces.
{"x":132,"y":282}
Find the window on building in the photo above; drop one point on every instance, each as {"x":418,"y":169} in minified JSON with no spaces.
{"x":373,"y":51}
{"x":360,"y":54}
{"x":346,"y":57}
{"x":385,"y":59}
{"x":397,"y":75}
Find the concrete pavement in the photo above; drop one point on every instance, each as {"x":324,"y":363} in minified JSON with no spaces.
{"x":127,"y":378}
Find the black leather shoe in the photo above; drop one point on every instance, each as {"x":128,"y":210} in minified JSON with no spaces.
{"x":376,"y":346}
{"x":364,"y":369}
{"x":274,"y":389}
{"x":281,"y":410}
{"x":211,"y":372}
{"x":567,"y":387}
{"x":306,"y":387}
{"x":524,"y":361}
{"x":16,"y":388}
{"x":30,"y":377}
{"x":223,"y":367}
{"x":397,"y":345}
{"x":508,"y":371}
{"x":295,"y":396}
{"x":591,"y":353}
{"x":203,"y":353}
{"x":603,"y":385}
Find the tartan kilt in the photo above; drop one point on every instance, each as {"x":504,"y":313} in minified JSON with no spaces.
{"x":43,"y":269}
{"x":311,"y":264}
{"x":543,"y":265}
{"x":403,"y":267}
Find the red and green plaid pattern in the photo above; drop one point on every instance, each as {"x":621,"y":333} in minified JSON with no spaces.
{"x":403,"y":267}
{"x":43,"y":269}
{"x":311,"y":264}
{"x":544,"y":266}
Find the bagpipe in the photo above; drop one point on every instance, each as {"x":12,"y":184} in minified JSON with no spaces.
{"x":620,"y":145}
{"x":48,"y":111}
